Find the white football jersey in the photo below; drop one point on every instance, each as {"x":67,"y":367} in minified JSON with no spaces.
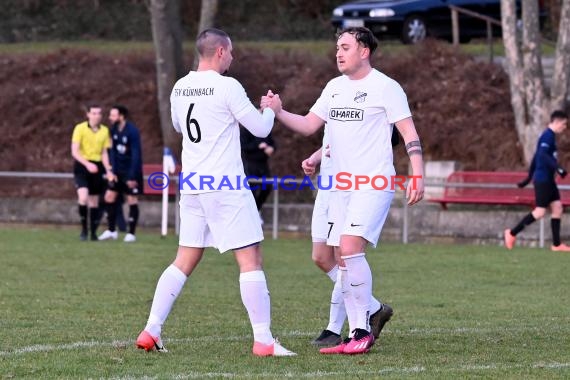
{"x":325,"y":180}
{"x":205,"y":108}
{"x":359,"y":115}
{"x":326,"y":164}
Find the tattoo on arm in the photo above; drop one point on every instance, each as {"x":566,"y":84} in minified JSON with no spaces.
{"x":414,"y":147}
{"x":412,"y":144}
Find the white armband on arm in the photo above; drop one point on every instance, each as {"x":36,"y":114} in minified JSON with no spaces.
{"x":258,"y":124}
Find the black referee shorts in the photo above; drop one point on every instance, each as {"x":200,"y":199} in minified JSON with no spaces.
{"x":545,"y":193}
{"x":120,"y":185}
{"x":94,"y":182}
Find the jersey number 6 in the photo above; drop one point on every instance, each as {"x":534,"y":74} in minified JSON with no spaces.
{"x":189,"y":122}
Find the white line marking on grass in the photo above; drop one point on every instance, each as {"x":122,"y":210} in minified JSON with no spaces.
{"x":383,"y":371}
{"x":56,"y":347}
{"x":474,"y":330}
{"x":317,"y":374}
{"x":291,"y":333}
{"x":551,"y":365}
{"x":295,"y":375}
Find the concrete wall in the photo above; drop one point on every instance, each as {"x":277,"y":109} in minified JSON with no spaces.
{"x":427,"y":222}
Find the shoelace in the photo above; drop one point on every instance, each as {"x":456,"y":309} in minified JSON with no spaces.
{"x":359,"y":334}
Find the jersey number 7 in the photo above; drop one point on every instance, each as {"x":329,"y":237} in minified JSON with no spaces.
{"x":189,"y":122}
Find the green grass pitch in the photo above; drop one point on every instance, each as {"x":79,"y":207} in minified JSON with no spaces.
{"x":71,"y":309}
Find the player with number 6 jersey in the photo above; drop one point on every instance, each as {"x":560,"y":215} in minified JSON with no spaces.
{"x":207,"y":108}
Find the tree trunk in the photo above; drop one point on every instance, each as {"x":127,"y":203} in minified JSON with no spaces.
{"x":532,"y":68}
{"x":560,"y":76}
{"x":514,"y":66}
{"x":524,"y":67}
{"x":207,"y":16}
{"x":167,"y":39}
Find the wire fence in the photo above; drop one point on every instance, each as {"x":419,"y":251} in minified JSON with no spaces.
{"x":277,"y":196}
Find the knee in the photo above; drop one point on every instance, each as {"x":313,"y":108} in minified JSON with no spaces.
{"x":538,"y":213}
{"x":110,"y":197}
{"x":323,"y":263}
{"x":323,"y":256}
{"x":249,"y":259}
{"x":82,"y":198}
{"x":557,"y":211}
{"x":351,"y":245}
{"x":349,"y":250}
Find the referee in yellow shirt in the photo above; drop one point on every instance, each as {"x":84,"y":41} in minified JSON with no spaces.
{"x":89,"y":145}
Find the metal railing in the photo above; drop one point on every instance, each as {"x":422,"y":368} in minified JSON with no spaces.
{"x":53,"y":175}
{"x":455,"y":10}
{"x":275,"y":205}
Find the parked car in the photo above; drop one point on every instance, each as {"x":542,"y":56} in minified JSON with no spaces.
{"x":413,"y":20}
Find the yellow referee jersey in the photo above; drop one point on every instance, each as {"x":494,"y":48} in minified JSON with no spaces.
{"x":91,"y":144}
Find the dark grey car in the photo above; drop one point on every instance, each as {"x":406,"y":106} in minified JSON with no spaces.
{"x":413,"y":20}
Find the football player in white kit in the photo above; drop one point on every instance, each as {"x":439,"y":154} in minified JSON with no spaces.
{"x":206,"y":108}
{"x":359,"y":108}
{"x":323,"y":255}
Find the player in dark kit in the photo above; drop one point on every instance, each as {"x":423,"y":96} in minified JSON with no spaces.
{"x":126,"y":160}
{"x":255,"y":152}
{"x":543,"y":170}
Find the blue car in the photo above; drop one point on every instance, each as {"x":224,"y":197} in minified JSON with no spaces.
{"x":414,"y":20}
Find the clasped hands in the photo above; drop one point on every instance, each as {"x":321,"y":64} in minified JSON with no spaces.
{"x":272,"y":101}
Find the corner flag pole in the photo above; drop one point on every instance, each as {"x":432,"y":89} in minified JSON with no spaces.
{"x":168,"y":168}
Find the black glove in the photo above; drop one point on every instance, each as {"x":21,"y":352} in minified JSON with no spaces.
{"x":561,"y":172}
{"x":524,"y":182}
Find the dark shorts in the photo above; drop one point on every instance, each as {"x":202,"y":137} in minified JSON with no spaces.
{"x":545,"y":193}
{"x":120,"y":185}
{"x":256,"y":168}
{"x":94,"y":182}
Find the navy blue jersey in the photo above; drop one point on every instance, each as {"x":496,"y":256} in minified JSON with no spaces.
{"x":545,"y":159}
{"x":250,"y":146}
{"x":126,"y":156}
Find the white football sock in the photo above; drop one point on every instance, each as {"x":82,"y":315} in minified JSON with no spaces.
{"x":360,"y":278}
{"x":333,"y":273}
{"x":167,"y":290}
{"x":255,"y":298}
{"x":348,"y":301}
{"x":375,"y":305}
{"x":337,"y":312}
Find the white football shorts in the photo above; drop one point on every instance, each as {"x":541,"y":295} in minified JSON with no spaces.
{"x":320,"y":219}
{"x":221,"y":219}
{"x":358,"y":213}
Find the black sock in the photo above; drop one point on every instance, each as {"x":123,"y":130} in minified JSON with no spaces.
{"x":133,"y":218}
{"x":555,"y":225}
{"x":94,"y":219}
{"x":111,"y":216}
{"x":528,"y":219}
{"x":83,"y":218}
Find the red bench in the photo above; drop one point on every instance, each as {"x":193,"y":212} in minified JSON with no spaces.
{"x":491,"y":188}
{"x":155,"y":170}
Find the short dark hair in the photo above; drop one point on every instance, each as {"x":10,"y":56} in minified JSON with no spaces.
{"x":89,"y":106}
{"x":558,"y":114}
{"x":362,"y":35}
{"x":209,"y":39}
{"x":122,"y":110}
